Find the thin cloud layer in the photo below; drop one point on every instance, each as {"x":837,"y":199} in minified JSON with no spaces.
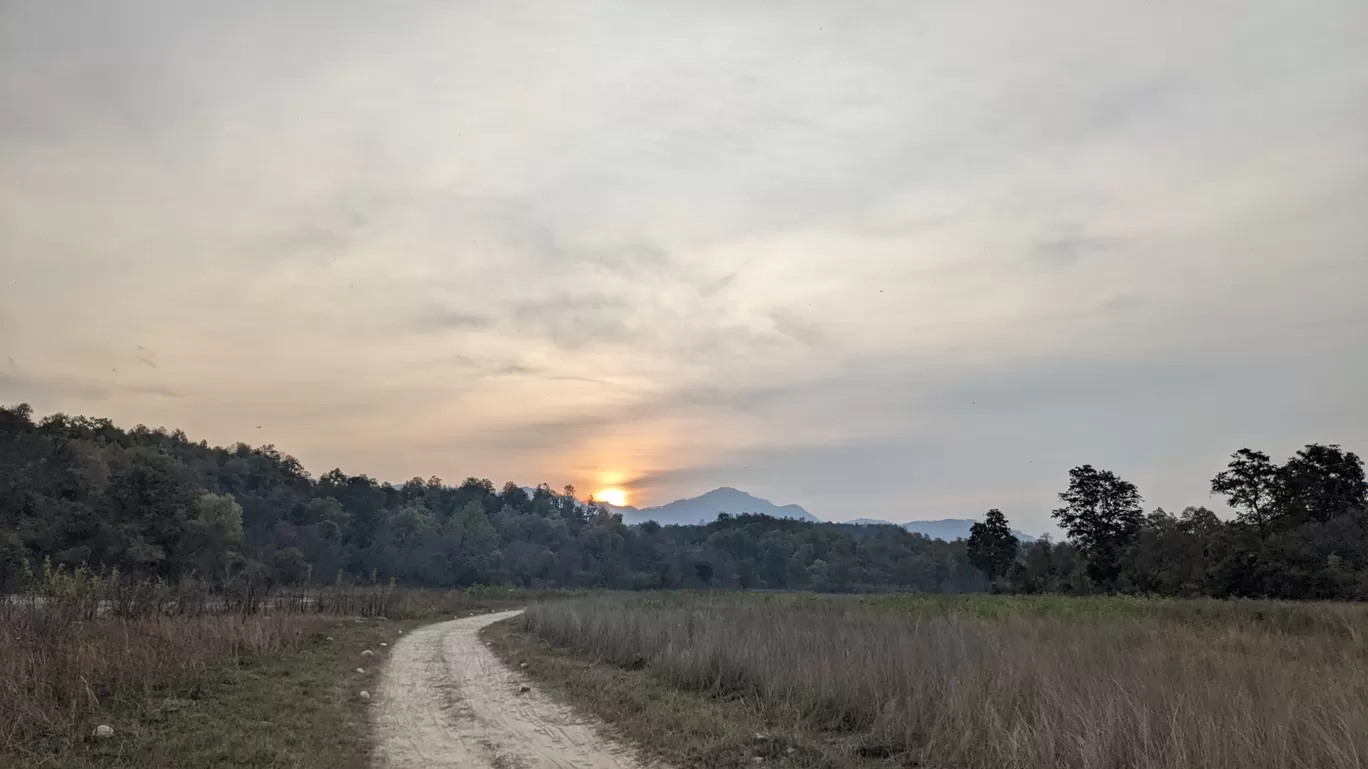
{"x":888,"y":260}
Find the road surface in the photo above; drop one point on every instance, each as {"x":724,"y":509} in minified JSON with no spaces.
{"x":445,"y":700}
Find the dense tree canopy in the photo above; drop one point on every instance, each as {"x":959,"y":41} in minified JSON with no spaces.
{"x":81,"y":491}
{"x":1300,"y":531}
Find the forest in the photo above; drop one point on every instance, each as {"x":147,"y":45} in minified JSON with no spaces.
{"x":82,"y":492}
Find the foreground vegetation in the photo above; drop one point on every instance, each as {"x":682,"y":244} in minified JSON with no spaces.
{"x":977,"y":682}
{"x":193,"y":679}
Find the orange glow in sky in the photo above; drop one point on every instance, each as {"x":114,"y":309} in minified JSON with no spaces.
{"x":616,"y":497}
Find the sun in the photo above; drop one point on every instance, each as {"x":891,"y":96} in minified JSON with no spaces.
{"x":615,"y":497}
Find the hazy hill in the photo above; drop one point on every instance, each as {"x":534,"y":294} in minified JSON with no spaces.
{"x":948,"y":529}
{"x":706,"y":507}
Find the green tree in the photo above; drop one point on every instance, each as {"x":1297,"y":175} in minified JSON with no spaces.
{"x":704,"y":571}
{"x":148,"y":500}
{"x":290,"y":565}
{"x":1035,"y":572}
{"x":213,"y":536}
{"x":329,"y":516}
{"x":476,"y":544}
{"x":1102,"y":516}
{"x":992,"y":546}
{"x":1321,"y":483}
{"x":1250,"y":484}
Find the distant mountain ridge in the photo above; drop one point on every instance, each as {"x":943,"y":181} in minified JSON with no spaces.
{"x":948,"y":529}
{"x":704,"y":508}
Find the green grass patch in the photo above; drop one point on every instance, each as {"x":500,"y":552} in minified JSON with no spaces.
{"x":298,"y":708}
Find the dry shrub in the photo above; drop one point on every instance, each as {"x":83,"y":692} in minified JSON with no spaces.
{"x":945,"y":689}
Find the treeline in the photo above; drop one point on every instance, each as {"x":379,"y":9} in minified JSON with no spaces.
{"x":1300,"y":531}
{"x":78,"y":491}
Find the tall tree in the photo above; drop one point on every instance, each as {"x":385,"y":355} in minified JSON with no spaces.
{"x":1321,"y":482}
{"x":1250,"y":484}
{"x":992,"y":545}
{"x":1101,"y":515}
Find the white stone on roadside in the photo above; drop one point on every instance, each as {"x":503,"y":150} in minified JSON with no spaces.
{"x":361,"y":671}
{"x":103,"y":732}
{"x":522,"y":664}
{"x":367,"y":653}
{"x":383,"y":644}
{"x":330,"y":639}
{"x":364,"y":695}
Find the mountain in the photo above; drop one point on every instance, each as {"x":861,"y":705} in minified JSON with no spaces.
{"x":948,"y":529}
{"x":951,"y":529}
{"x":705,"y":508}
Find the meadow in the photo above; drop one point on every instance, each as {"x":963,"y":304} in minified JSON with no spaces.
{"x":964,"y":681}
{"x":190,"y":678}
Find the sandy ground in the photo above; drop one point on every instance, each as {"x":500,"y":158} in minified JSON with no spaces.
{"x":446,"y":701}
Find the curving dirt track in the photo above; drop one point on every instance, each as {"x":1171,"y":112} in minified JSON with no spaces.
{"x":446,"y":701}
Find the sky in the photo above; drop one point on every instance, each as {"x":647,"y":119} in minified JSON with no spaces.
{"x":899,"y":260}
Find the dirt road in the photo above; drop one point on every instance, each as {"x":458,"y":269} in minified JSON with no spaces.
{"x":446,"y":701}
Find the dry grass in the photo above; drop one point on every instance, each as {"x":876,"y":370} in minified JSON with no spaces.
{"x":684,"y":728}
{"x":1161,"y":686}
{"x":58,"y":679}
{"x":189,"y":679}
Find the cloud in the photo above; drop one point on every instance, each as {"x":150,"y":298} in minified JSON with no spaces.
{"x":859,"y":261}
{"x":713,"y":287}
{"x":20,"y":387}
{"x":576,"y":320}
{"x":518,"y":369}
{"x":1065,"y":252}
{"x":798,"y":330}
{"x":439,"y":319}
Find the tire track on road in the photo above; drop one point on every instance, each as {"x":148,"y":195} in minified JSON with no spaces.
{"x":445,"y":700}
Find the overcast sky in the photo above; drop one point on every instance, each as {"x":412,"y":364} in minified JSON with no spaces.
{"x":898,"y":260}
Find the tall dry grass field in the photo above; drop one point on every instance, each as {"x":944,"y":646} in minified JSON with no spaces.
{"x":60,"y":676}
{"x":1164,"y":686}
{"x":82,"y":649}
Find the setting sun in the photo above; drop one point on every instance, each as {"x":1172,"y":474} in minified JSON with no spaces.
{"x":616,"y":497}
